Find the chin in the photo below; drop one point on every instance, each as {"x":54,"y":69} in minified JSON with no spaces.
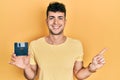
{"x":56,"y":32}
{"x":59,"y":33}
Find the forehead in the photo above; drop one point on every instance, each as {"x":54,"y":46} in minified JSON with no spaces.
{"x":50,"y":13}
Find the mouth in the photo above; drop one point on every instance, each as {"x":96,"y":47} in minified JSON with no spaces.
{"x":56,"y":27}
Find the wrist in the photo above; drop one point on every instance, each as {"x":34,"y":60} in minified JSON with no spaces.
{"x":27,"y":67}
{"x":91,"y":68}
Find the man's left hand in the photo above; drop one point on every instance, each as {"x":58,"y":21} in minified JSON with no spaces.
{"x":98,"y":61}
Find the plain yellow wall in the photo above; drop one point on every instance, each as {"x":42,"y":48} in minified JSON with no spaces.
{"x":95,"y":22}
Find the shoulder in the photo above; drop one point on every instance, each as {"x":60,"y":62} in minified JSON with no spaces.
{"x":37,"y":41}
{"x":74,"y":41}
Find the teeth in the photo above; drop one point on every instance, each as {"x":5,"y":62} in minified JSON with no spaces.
{"x":55,"y":27}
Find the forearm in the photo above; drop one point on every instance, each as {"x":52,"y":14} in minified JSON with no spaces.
{"x":97,"y":62}
{"x":29,"y":73}
{"x":84,"y":73}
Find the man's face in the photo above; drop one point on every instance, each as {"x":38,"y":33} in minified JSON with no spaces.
{"x":56,"y":22}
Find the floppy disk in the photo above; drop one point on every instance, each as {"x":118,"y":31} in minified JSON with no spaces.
{"x":21,"y":48}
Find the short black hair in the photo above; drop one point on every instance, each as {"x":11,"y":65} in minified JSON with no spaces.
{"x":56,"y":7}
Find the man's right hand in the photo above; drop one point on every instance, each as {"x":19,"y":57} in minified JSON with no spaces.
{"x":20,"y":61}
{"x":23,"y":62}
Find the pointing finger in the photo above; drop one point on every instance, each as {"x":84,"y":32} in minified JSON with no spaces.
{"x":103,"y":51}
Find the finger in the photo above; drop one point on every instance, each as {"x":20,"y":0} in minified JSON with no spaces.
{"x":14,"y":55}
{"x":13,"y":59}
{"x":12,"y":63}
{"x":103,"y":51}
{"x":101,"y":62}
{"x":28,"y":55}
{"x":98,"y":56}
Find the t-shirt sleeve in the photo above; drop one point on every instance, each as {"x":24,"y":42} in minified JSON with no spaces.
{"x":79,"y":51}
{"x":79,"y":58}
{"x":32,"y":55}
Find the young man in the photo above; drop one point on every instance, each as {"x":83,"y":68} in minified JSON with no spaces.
{"x":56,"y":57}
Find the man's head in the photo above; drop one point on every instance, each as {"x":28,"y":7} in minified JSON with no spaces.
{"x":56,"y":7}
{"x":56,"y":18}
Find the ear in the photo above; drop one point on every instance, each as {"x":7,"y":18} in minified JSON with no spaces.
{"x":46,"y":20}
{"x":65,"y":21}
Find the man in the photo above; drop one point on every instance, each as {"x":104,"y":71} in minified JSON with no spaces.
{"x":56,"y":57}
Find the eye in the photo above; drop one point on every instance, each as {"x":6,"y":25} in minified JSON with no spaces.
{"x":60,"y":17}
{"x":51,"y":17}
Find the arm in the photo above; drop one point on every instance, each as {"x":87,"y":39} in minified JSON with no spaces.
{"x":23,"y":62}
{"x":30,"y":72}
{"x":80,"y":72}
{"x":97,"y":62}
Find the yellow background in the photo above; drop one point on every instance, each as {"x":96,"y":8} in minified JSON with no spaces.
{"x":95,"y":22}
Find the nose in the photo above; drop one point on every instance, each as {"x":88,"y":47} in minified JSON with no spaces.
{"x":55,"y":21}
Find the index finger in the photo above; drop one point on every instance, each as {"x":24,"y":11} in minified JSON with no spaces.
{"x":103,"y":51}
{"x":13,"y":55}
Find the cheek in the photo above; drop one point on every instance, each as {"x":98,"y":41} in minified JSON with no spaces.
{"x":50,"y":22}
{"x":61,"y":22}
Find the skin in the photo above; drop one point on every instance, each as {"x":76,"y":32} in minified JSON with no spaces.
{"x":56,"y":23}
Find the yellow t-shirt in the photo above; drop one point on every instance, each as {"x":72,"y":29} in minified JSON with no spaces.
{"x":56,"y":62}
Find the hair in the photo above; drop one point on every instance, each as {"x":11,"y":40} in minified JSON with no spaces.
{"x":56,"y":7}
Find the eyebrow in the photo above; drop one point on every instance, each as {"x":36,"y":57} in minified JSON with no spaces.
{"x":54,"y":16}
{"x":51,"y":16}
{"x":60,"y":16}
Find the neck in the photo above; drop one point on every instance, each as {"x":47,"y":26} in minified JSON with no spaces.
{"x":55,"y":39}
